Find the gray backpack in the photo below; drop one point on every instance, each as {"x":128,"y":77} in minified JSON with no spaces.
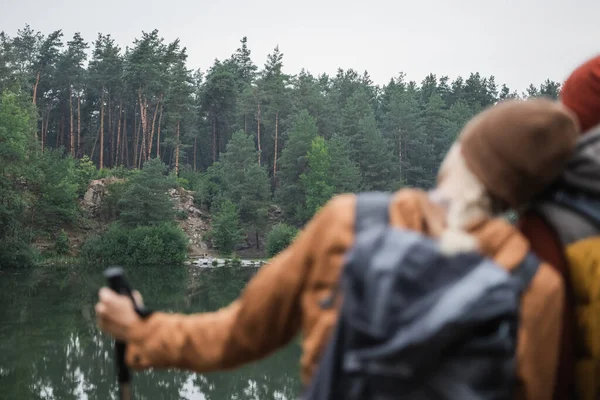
{"x":417,"y":324}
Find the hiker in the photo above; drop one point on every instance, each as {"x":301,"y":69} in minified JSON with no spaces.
{"x":504,"y":156}
{"x":563,"y":233}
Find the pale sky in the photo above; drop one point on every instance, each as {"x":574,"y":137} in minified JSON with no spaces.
{"x":519,"y":42}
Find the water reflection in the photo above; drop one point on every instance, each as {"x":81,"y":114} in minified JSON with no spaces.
{"x":51,"y":349}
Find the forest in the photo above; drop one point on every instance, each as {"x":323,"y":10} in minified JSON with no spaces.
{"x":244,"y":137}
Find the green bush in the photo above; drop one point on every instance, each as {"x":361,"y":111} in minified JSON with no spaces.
{"x":145,"y":200}
{"x":236,"y":261}
{"x":181,"y":214}
{"x":184,"y":183}
{"x":85,"y":172}
{"x":61,"y":245}
{"x":144,"y":245}
{"x":226,"y":232}
{"x":53,"y":185}
{"x":279,"y":238}
{"x":189,"y":179}
{"x":15,"y":252}
{"x":109,"y":209}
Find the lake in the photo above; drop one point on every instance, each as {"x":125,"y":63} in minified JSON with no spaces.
{"x":50,"y":347}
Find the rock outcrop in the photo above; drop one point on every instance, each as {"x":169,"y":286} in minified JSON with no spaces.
{"x":97,"y":190}
{"x":193,"y":221}
{"x":196,"y":223}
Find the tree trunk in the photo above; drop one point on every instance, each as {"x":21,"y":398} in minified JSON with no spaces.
{"x":79,"y":127}
{"x":139,"y":137}
{"x":135,"y":136}
{"x":126,"y":141}
{"x":101,"y":165}
{"x":257,"y":243}
{"x":71,"y":127}
{"x":61,"y":128}
{"x":195,"y":151}
{"x":124,"y":138}
{"x":152,"y":129}
{"x":177,"y":150}
{"x":258,"y":131}
{"x":144,"y":121}
{"x":111,"y":132}
{"x":94,"y":146}
{"x":35,"y":86}
{"x":158,"y":133}
{"x":245,"y":124}
{"x":276,"y":144}
{"x":115,"y":159}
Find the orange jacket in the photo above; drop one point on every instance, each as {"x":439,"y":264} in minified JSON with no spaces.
{"x":283,"y":299}
{"x":546,"y":244}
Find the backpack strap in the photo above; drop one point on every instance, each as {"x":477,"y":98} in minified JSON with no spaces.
{"x":579,"y":203}
{"x":372,"y":210}
{"x":372,"y":213}
{"x":525,"y":272}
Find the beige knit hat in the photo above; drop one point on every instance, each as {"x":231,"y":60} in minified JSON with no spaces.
{"x":517,"y":147}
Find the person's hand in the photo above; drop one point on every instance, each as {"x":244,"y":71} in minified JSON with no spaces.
{"x":115,"y":313}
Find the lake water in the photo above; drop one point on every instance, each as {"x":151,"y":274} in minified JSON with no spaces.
{"x":50,"y":347}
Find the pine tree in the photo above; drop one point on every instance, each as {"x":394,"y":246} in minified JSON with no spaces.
{"x":146,"y":200}
{"x":317,"y":180}
{"x":290,"y":194}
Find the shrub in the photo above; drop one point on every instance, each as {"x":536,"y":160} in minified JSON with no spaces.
{"x":181,"y":214}
{"x":85,"y":172}
{"x":15,"y":253}
{"x":226,"y":230}
{"x":109,"y":206}
{"x":236,"y":261}
{"x":279,"y":238}
{"x":145,"y":200}
{"x":61,"y":246}
{"x":152,"y":245}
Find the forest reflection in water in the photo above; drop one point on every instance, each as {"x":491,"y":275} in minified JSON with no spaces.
{"x":50,"y":347}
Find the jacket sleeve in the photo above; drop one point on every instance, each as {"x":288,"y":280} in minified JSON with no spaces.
{"x":539,"y":334}
{"x":264,"y":318}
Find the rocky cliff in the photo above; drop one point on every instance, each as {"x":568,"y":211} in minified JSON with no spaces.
{"x":193,"y":221}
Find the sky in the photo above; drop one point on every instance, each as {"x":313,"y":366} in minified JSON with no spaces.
{"x":518,"y":41}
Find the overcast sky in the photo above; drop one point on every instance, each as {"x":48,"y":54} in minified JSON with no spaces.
{"x":518,"y":41}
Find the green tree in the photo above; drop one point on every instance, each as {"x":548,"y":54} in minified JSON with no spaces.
{"x":317,"y":180}
{"x":276,"y":95}
{"x":16,"y":129}
{"x":53,"y":184}
{"x":245,"y":182}
{"x":345,"y":173}
{"x":290,"y":194}
{"x":146,"y":200}
{"x":280,"y":237}
{"x":374,"y":157}
{"x":226,"y":232}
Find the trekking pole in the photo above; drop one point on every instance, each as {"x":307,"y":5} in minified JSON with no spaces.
{"x":117,"y":282}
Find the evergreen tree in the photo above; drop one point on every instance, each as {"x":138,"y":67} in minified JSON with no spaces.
{"x":246,"y":183}
{"x":316,"y":179}
{"x":146,"y":200}
{"x":226,"y":232}
{"x":345,"y":173}
{"x":293,"y":163}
